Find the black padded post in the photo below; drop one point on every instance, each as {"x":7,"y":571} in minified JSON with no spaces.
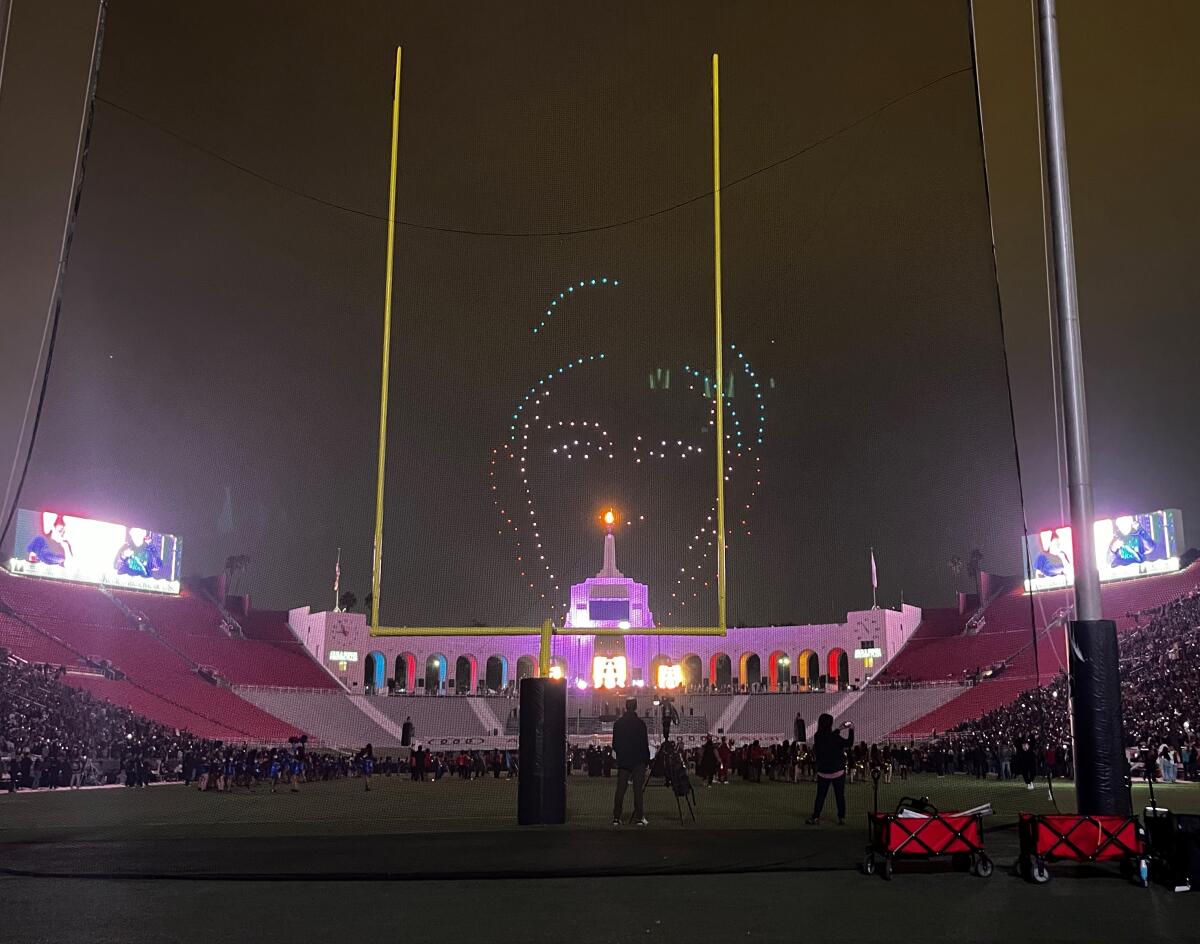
{"x":1101,"y":770}
{"x":542,"y":783}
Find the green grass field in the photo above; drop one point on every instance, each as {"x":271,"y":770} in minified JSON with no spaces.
{"x":397,"y":805}
{"x":171,"y":864}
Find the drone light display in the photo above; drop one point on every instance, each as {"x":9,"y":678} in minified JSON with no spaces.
{"x":537,"y":436}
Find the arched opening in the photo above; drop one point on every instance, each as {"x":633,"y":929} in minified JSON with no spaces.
{"x":495,"y":673}
{"x":655,"y":663}
{"x":692,"y":669}
{"x":780,"y":670}
{"x":374,"y":668}
{"x":466,"y":668}
{"x":839,"y":669}
{"x":435,"y":672}
{"x":720,"y":670}
{"x":749,"y":669}
{"x":808,"y":668}
{"x":526,"y":667}
{"x":406,"y":672}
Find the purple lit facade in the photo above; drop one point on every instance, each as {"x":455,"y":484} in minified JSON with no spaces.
{"x":610,"y":600}
{"x":776,"y":658}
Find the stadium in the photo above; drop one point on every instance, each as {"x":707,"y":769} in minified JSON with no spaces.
{"x":218,"y":669}
{"x":231,"y":672}
{"x":722,"y":445}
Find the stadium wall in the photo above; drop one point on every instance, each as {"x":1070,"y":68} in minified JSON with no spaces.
{"x":342,"y":642}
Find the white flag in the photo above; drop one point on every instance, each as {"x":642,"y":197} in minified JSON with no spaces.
{"x":874,"y":574}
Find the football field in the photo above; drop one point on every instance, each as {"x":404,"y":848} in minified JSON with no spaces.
{"x":397,"y":805}
{"x":170,"y":864}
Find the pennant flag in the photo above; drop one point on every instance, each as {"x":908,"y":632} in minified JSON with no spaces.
{"x":874,"y":573}
{"x":337,"y":571}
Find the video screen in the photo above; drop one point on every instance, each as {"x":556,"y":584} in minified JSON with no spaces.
{"x":69,"y":547}
{"x":608,"y":610}
{"x":1125,"y":546}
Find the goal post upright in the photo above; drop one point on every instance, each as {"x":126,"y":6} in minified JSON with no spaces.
{"x":547,"y":630}
{"x":719,"y":366}
{"x":377,"y":555}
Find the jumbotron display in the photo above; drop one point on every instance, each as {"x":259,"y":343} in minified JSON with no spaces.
{"x":68,"y":547}
{"x":1126,"y":546}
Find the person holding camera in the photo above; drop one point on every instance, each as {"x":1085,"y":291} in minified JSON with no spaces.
{"x":631,"y":743}
{"x":829,"y":751}
{"x":669,"y":717}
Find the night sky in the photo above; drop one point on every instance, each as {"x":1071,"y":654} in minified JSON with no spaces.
{"x":217,"y":371}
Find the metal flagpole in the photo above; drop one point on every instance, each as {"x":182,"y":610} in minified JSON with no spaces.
{"x":874,"y":583}
{"x":1095,"y":687}
{"x":337,"y":579}
{"x":1087,"y":578}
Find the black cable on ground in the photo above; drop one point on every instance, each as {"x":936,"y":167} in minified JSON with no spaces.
{"x":448,"y":875}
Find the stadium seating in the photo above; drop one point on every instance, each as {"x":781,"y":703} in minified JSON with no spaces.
{"x":331,"y":717}
{"x":874,"y":712}
{"x":971,"y":703}
{"x":192,"y":625}
{"x":338,"y":719}
{"x":157,"y":671}
{"x":775,"y":714}
{"x":32,"y":645}
{"x":281,"y":691}
{"x":77,"y":624}
{"x":34,"y":598}
{"x":267,"y":625}
{"x":1007,"y":636}
{"x":940,"y":650}
{"x":124,"y":693}
{"x":433,"y":716}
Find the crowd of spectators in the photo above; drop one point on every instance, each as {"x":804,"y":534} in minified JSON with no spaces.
{"x":423,"y":764}
{"x":511,"y":689}
{"x":966,"y":678}
{"x":53,"y":735}
{"x":1160,"y":700}
{"x":228,"y":768}
{"x":794,"y":761}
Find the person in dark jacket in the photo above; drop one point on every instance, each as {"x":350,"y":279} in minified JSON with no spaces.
{"x":709,"y":764}
{"x":829,"y":750}
{"x":631,"y":743}
{"x":669,"y":717}
{"x":1025,"y":763}
{"x":979,"y":761}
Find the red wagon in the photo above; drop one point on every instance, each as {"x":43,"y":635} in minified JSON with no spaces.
{"x":1079,"y":838}
{"x":893,"y":836}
